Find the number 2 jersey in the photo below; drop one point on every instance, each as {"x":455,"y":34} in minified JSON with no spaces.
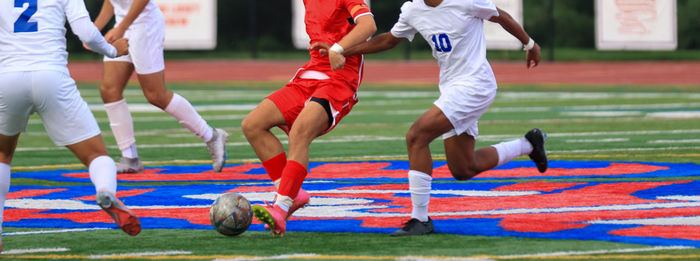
{"x":455,"y":31}
{"x":329,"y":21}
{"x":33,"y":33}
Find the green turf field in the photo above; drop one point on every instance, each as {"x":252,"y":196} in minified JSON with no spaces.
{"x":611,"y":123}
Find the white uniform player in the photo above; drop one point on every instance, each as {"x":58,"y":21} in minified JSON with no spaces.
{"x":454,"y":30}
{"x":34,"y":78}
{"x":146,"y":35}
{"x":142,"y":22}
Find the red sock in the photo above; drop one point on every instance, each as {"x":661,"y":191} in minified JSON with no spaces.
{"x":292,"y":178}
{"x":275,"y":165}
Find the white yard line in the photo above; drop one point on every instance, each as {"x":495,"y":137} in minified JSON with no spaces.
{"x":161,"y":253}
{"x":33,"y":251}
{"x":596,"y":252}
{"x":674,"y":141}
{"x":20,"y":233}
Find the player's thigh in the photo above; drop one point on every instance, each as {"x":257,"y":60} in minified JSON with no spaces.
{"x":16,"y":102}
{"x":265,"y":116}
{"x":66,"y":116}
{"x":430,"y":125}
{"x":311,"y":123}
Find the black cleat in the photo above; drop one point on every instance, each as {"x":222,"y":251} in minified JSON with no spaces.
{"x":415,"y":227}
{"x":537,"y":138}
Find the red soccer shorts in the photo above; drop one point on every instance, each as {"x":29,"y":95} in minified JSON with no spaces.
{"x":292,"y":98}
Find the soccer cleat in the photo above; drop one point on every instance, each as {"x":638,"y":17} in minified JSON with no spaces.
{"x":415,"y":227}
{"x":538,"y":155}
{"x":129,"y":165}
{"x":217,"y":149}
{"x":273,"y":216}
{"x":300,"y":201}
{"x":125,"y":218}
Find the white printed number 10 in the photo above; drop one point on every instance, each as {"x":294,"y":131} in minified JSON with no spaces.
{"x":22,"y":25}
{"x":442,"y":43}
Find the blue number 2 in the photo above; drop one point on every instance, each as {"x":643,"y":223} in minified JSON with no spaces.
{"x":22,"y":25}
{"x":442,"y":43}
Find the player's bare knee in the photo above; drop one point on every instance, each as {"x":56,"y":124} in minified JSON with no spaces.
{"x":110,"y":93}
{"x":157,"y":99}
{"x":249,"y":127}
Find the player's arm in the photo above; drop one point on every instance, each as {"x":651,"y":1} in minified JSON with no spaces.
{"x":92,"y":38}
{"x":134,"y":11}
{"x":377,"y":44}
{"x":364,"y":28}
{"x":511,"y":26}
{"x":106,"y":14}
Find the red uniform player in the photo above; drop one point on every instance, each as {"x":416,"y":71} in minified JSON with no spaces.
{"x":319,"y":95}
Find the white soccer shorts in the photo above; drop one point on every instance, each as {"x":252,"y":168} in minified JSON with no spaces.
{"x":54,"y":96}
{"x":463,"y":106}
{"x":145,"y":48}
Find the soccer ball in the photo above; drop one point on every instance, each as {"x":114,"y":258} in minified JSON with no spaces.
{"x":230,"y":214}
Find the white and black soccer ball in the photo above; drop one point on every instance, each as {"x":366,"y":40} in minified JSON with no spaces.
{"x":231,"y":214}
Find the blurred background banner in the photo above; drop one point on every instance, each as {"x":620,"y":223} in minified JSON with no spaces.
{"x":189,"y":24}
{"x":636,"y":25}
{"x":496,"y":37}
{"x":299,"y":36}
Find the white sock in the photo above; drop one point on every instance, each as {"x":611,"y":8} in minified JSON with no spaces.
{"x":185,"y":113}
{"x":4,"y":188}
{"x":508,"y":150}
{"x":130,"y":152}
{"x":284,"y":202}
{"x":121,"y":123}
{"x":277,"y":183}
{"x":419,"y":186}
{"x":103,"y":174}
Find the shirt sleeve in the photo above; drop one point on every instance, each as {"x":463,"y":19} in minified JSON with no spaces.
{"x":402,"y":29}
{"x":350,"y":4}
{"x":484,"y":9}
{"x":75,"y":10}
{"x":88,"y":34}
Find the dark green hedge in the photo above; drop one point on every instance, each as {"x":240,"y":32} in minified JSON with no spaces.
{"x":572,"y":24}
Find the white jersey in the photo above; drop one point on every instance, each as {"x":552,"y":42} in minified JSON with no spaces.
{"x":150,"y":14}
{"x":32,"y":33}
{"x":455,"y":31}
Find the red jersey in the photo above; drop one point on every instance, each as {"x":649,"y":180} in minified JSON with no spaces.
{"x":329,"y":21}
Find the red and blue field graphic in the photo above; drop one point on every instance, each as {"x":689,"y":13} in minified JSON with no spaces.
{"x":631,"y":202}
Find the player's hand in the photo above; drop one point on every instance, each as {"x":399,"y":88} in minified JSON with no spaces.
{"x":322,"y":48}
{"x":533,"y":56}
{"x":86,"y":47}
{"x":337,"y":60}
{"x":114,"y":34}
{"x":122,"y":46}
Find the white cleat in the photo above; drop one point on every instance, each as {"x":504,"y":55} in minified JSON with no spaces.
{"x":217,"y":149}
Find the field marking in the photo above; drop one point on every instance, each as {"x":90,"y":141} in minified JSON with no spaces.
{"x":32,"y":251}
{"x":140,"y":254}
{"x":624,"y":149}
{"x":593,"y":254}
{"x":21,"y":233}
{"x":598,"y":140}
{"x":674,"y":141}
{"x":361,"y":138}
{"x":326,"y":159}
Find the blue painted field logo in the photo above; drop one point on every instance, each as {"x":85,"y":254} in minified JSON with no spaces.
{"x":625,"y":202}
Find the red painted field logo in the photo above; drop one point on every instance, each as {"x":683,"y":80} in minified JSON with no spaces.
{"x":646,"y":203}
